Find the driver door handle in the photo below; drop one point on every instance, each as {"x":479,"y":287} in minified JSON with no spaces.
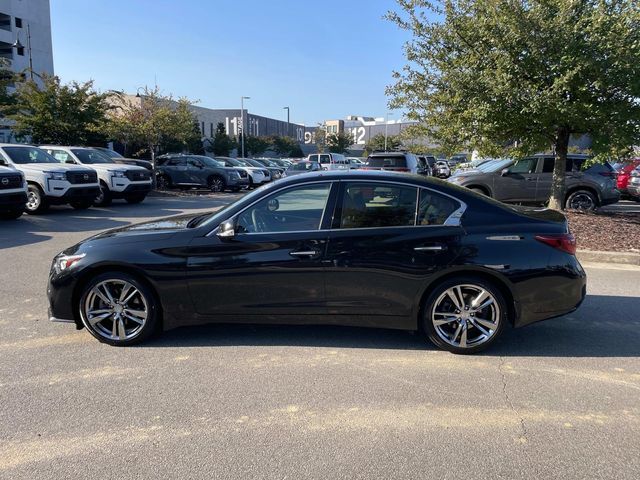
{"x":304,"y":253}
{"x":430,"y":248}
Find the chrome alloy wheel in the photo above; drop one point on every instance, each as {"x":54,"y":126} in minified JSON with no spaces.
{"x":466,"y":316}
{"x":581,"y":201}
{"x":33,"y":201}
{"x":116,"y":309}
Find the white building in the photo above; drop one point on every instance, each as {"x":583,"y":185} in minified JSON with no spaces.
{"x":25,"y":35}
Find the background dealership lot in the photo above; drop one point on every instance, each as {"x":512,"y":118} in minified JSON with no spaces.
{"x":556,"y":398}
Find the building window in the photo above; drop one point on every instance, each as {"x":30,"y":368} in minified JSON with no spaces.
{"x":18,"y":22}
{"x":203,"y":129}
{"x":20,"y":51}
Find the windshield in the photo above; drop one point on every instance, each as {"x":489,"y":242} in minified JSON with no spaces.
{"x":495,"y":165}
{"x":254,"y":163}
{"x":109,"y":153}
{"x":90,"y":157}
{"x":25,"y":155}
{"x":211,"y":161}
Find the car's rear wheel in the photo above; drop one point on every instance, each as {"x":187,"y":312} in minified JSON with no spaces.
{"x":464,"y":315}
{"x":36,"y":201}
{"x":581,"y":200}
{"x":216,"y":184}
{"x":103,"y":199}
{"x":118,"y":309}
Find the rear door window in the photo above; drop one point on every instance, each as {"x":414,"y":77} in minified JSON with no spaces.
{"x":390,"y":161}
{"x":434,"y":209}
{"x":325,"y":159}
{"x":371,"y":205}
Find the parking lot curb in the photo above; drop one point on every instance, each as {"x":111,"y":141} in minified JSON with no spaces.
{"x":627,"y":258}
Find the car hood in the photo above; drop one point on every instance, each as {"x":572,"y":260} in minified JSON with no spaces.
{"x":52,"y":167}
{"x":105,"y":167}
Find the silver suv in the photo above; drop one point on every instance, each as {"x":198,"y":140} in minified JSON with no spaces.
{"x":528,"y":181}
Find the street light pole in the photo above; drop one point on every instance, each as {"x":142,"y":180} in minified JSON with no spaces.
{"x":288,"y":128}
{"x":17,"y":45}
{"x":242,"y":99}
{"x":386,"y":130}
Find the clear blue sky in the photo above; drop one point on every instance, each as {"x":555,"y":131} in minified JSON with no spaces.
{"x":325,"y":59}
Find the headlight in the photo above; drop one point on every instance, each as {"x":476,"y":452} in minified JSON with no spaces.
{"x":64,"y":262}
{"x":118,"y":173}
{"x":56,"y":175}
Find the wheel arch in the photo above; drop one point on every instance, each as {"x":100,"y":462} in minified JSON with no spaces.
{"x":502,"y":283}
{"x":89,"y":273}
{"x":487,"y":191}
{"x":587,"y":188}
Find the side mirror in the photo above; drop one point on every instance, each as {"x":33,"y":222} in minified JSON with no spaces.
{"x":226,"y":230}
{"x":504,"y":172}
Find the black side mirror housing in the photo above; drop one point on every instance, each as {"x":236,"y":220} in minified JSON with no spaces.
{"x":504,"y":172}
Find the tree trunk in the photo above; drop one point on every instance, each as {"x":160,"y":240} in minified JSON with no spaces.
{"x":558,"y":184}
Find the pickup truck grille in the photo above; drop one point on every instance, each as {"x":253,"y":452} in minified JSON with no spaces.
{"x":8,"y":182}
{"x":137,"y":175}
{"x":82,"y":177}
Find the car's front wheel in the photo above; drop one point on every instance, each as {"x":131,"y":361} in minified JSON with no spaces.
{"x":118,"y":309}
{"x":216,"y":184}
{"x":464,"y":315}
{"x":103,"y":199}
{"x":36,"y":201}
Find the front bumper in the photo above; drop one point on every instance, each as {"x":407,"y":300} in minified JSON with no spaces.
{"x":76,"y":194}
{"x":238,"y":181}
{"x":137,"y":188}
{"x":12,"y":200}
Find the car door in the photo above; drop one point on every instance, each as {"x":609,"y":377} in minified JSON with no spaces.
{"x":545,"y":177}
{"x":273,"y":264}
{"x":518,"y":183}
{"x":176,"y":168}
{"x":196,"y":171}
{"x":387,"y":239}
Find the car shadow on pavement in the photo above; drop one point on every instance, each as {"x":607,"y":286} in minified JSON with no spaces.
{"x":604,"y":326}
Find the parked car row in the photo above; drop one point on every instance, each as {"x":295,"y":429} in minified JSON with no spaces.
{"x":33,"y":178}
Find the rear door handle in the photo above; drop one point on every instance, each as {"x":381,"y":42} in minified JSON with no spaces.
{"x":430,"y":248}
{"x":304,"y":253}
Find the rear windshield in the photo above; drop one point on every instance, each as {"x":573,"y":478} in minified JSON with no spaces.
{"x":391,"y":161}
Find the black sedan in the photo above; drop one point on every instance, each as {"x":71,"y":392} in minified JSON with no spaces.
{"x":375,"y":249}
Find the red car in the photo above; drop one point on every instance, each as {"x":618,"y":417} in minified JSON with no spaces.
{"x":625,"y":174}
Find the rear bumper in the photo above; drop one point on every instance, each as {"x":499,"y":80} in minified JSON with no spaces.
{"x":559,"y":292}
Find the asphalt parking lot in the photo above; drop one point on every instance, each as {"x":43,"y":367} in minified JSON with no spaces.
{"x":556,"y":399}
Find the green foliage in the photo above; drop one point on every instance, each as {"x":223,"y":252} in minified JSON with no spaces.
{"x":256,"y":145}
{"x":222,"y":143}
{"x":283,"y":146}
{"x":521,"y":75}
{"x":156,"y":122}
{"x":296,"y":152}
{"x":7,"y":79}
{"x":61,"y":114}
{"x":339,"y":142}
{"x":377,"y":143}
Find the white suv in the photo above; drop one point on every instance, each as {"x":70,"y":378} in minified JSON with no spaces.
{"x":330,"y":161}
{"x":49,"y":182}
{"x":116,"y":180}
{"x":13,"y":193}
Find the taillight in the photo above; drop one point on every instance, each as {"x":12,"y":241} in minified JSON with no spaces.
{"x":565,"y":242}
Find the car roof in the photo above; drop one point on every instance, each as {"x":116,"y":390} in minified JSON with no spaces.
{"x":373,"y":175}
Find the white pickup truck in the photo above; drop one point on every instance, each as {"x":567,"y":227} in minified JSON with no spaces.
{"x":13,"y":193}
{"x":48,"y":181}
{"x":117,"y":180}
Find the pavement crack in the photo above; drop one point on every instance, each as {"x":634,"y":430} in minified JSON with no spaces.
{"x":509,"y":402}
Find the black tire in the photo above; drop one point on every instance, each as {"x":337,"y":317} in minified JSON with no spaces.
{"x":581,"y":200}
{"x":498,"y":308}
{"x":152,"y":323}
{"x":36,"y":201}
{"x":133,"y":199}
{"x":216,"y":183}
{"x":12,"y":214}
{"x":81,"y":204}
{"x":104,"y":198}
{"x":163,"y":182}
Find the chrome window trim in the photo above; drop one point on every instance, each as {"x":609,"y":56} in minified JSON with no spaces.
{"x":453,"y":220}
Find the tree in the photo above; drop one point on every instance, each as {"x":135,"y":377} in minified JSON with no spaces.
{"x":256,"y":145}
{"x":61,"y":114}
{"x":339,"y":142}
{"x":7,"y":79}
{"x":222,"y":143}
{"x":377,"y":143}
{"x":522,"y":75}
{"x":283,"y":146}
